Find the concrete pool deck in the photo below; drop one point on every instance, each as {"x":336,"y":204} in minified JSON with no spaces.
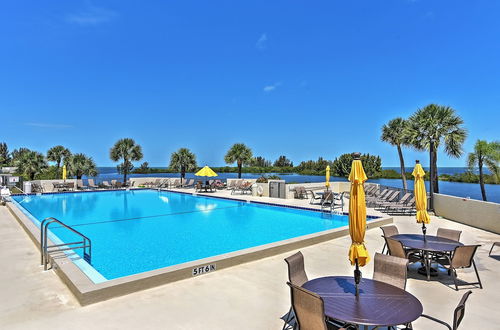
{"x":247,"y":296}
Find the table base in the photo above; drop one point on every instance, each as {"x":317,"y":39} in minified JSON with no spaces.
{"x":423,"y":271}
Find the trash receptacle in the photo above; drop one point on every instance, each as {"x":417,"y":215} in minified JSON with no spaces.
{"x":27,"y":187}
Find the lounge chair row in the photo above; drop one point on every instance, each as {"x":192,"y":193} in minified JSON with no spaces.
{"x":390,"y":200}
{"x":240,"y":186}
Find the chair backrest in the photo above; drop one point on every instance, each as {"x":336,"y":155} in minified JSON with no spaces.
{"x":449,"y":234}
{"x":392,"y":196}
{"x":91,"y":182}
{"x":395,"y":248}
{"x":405,"y":198}
{"x":459,"y":312}
{"x":463,"y":256}
{"x":328,"y":196}
{"x":339,"y":196}
{"x":308,"y":307}
{"x":389,"y":231}
{"x":296,"y":271}
{"x":383,"y":193}
{"x":391,"y":270}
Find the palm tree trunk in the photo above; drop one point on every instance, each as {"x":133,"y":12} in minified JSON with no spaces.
{"x":125,"y":163}
{"x":402,"y":165}
{"x":481,"y":179}
{"x":239,"y":170}
{"x":436,"y":176}
{"x":431,"y":182}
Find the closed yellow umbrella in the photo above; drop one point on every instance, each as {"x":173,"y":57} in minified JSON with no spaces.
{"x":358,"y":255}
{"x":420,"y":196}
{"x":327,"y":177}
{"x":64,"y":173}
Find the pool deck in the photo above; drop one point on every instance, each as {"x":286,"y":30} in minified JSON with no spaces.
{"x":247,"y":296}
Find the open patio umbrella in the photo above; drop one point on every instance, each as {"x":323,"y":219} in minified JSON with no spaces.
{"x":327,"y":177}
{"x":64,"y":173}
{"x":420,"y":196}
{"x":358,"y":255}
{"x":206,"y":172}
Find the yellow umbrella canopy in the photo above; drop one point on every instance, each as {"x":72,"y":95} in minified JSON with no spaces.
{"x":206,"y":171}
{"x":358,"y":255}
{"x":64,"y":173}
{"x":327,"y":177}
{"x":420,"y":196}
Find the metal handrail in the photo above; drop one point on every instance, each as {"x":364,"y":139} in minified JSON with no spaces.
{"x":86,"y":243}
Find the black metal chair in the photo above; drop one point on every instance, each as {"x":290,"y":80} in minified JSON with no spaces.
{"x":458,"y":314}
{"x":494,"y":244}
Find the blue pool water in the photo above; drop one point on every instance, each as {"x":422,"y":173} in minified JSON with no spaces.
{"x":142,"y":230}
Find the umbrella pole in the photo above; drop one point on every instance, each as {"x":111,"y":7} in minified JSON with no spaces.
{"x":424,"y":229}
{"x":357,"y":277}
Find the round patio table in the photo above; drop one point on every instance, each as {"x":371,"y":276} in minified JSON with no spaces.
{"x":429,"y":244}
{"x":378,"y":303}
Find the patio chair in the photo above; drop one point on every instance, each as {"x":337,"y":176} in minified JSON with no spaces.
{"x":402,"y":207}
{"x":370,"y":190}
{"x":391,"y":270}
{"x":212,"y":186}
{"x":391,"y":198}
{"x":396,"y":249}
{"x":452,"y":234}
{"x":327,"y":201}
{"x":388,"y":231}
{"x":297,"y":276}
{"x":80,"y":185}
{"x":494,"y":244}
{"x":458,"y":313}
{"x":247,"y":187}
{"x":309,"y":309}
{"x":232,"y":184}
{"x":36,"y":188}
{"x":219,"y":184}
{"x":198,"y":186}
{"x":388,"y":204}
{"x":462,"y":257}
{"x":189,"y":184}
{"x":340,"y":199}
{"x":106,"y":185}
{"x":314,"y":197}
{"x":296,"y":271}
{"x":91,"y":184}
{"x":118,"y":185}
{"x":300,"y":192}
{"x":370,"y":200}
{"x":156,"y":183}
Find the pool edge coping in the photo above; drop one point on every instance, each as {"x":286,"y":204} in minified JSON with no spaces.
{"x":87,"y":292}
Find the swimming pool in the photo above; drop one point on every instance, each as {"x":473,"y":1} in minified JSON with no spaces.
{"x":142,"y":230}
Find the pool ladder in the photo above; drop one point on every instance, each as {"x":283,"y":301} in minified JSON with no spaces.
{"x":46,"y":249}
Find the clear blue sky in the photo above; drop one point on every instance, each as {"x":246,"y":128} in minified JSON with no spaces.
{"x":284,"y":77}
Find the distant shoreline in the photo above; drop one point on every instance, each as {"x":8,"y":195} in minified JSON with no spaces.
{"x":457,"y":174}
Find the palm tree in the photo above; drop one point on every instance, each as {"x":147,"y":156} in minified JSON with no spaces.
{"x":79,"y":165}
{"x":432,"y":126}
{"x":394,"y":133}
{"x":58,"y":154}
{"x":183,"y":160}
{"x":4,"y":154}
{"x":127,"y":150}
{"x":485,"y":154}
{"x":30,"y":163}
{"x":239,"y":153}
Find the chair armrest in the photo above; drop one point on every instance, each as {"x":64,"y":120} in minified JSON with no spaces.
{"x":438,"y":321}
